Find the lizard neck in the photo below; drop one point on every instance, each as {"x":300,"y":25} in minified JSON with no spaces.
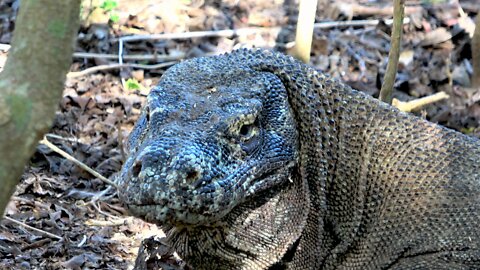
{"x":254,"y":235}
{"x":378,"y":168}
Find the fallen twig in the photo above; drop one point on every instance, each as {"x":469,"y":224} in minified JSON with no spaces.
{"x":99,"y":209}
{"x":217,"y":33}
{"x":133,"y":57}
{"x":246,"y":31}
{"x":29,"y":201}
{"x":94,"y":69}
{"x":214,"y":33}
{"x":104,"y":223}
{"x":199,"y":34}
{"x":418,"y":103}
{"x":33,"y":228}
{"x":55,"y":136}
{"x":77,"y":162}
{"x":101,"y":194}
{"x":229,"y":33}
{"x":351,"y":10}
{"x":356,"y":23}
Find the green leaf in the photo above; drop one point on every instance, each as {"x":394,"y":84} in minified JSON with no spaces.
{"x":114,"y":17}
{"x":109,"y":5}
{"x":132,"y":84}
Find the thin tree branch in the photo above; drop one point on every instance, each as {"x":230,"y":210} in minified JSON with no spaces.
{"x":417,"y":104}
{"x":94,"y":69}
{"x":393,"y":55}
{"x":304,"y":32}
{"x":42,"y":232}
{"x":135,"y":57}
{"x":77,"y":162}
{"x":476,"y":54}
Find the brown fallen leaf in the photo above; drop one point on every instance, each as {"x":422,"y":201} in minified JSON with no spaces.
{"x":436,"y":36}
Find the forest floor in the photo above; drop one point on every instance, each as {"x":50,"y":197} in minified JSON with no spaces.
{"x":78,"y":230}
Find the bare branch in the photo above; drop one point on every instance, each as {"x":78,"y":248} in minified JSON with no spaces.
{"x":393,"y":55}
{"x":304,"y":33}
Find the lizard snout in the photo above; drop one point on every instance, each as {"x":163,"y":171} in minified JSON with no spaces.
{"x":184,"y":166}
{"x":178,"y":180}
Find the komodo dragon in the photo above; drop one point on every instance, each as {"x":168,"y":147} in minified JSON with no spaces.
{"x":252,"y":160}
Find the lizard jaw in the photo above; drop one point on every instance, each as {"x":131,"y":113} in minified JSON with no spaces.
{"x":168,"y":211}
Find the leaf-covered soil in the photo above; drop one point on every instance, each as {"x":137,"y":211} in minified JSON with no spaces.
{"x":76,"y":222}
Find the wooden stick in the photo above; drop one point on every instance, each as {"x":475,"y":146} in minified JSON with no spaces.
{"x":304,"y":32}
{"x":394,"y":54}
{"x":42,"y":232}
{"x":77,"y":162}
{"x":248,"y":30}
{"x":476,"y":54}
{"x":356,"y":9}
{"x":141,"y":57}
{"x":94,"y":69}
{"x":419,"y":103}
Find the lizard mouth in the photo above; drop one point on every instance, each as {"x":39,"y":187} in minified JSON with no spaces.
{"x":208,"y":204}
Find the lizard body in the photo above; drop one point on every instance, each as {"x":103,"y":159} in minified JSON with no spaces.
{"x":252,"y":160}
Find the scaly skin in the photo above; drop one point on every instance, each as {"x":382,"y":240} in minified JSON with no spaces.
{"x":252,"y":160}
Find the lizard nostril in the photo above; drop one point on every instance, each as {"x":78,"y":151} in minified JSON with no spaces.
{"x":136,"y":168}
{"x":192,"y":176}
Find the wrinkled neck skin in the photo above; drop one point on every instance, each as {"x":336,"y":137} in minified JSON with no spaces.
{"x":390,"y":175}
{"x":368,"y":165}
{"x":256,"y":234}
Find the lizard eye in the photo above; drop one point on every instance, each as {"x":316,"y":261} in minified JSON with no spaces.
{"x":249,"y":137}
{"x":246,"y":130}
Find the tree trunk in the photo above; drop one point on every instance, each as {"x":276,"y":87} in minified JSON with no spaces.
{"x":32,"y":82}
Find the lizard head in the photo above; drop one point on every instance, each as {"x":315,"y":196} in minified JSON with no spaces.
{"x":211,"y":136}
{"x":223,"y":154}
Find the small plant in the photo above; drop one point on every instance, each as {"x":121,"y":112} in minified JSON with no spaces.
{"x":132,"y":84}
{"x":109,"y":7}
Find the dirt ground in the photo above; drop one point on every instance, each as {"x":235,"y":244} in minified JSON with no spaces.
{"x":68,"y":219}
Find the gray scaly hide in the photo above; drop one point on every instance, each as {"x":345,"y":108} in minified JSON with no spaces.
{"x":252,"y":160}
